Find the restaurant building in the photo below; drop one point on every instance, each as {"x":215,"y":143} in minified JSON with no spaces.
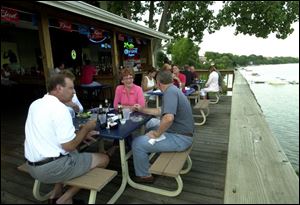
{"x":38,"y":36}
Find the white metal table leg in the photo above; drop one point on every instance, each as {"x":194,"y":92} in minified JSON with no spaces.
{"x":158,"y":190}
{"x":124,"y":173}
{"x":92,"y":198}
{"x":36,"y":191}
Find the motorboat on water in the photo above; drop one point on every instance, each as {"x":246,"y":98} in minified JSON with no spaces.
{"x":277,"y":82}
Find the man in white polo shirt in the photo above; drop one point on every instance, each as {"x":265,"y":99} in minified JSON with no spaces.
{"x":51,"y":141}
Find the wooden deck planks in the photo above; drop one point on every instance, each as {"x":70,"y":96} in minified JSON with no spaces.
{"x":257,"y":169}
{"x":203,"y":184}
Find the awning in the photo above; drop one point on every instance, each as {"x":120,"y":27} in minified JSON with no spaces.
{"x":93,"y":12}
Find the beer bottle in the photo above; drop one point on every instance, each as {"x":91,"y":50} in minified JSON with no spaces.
{"x":106,"y":105}
{"x":120,"y":111}
{"x":102,"y":116}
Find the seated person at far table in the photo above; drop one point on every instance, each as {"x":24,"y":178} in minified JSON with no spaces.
{"x":188,"y":75}
{"x":179,"y":79}
{"x":176,"y":124}
{"x":194,"y":74}
{"x":148,"y":83}
{"x":73,"y":105}
{"x":128,"y":94}
{"x":51,"y":141}
{"x":212,"y":84}
{"x":194,"y":78}
{"x":5,"y":75}
{"x":58,"y":69}
{"x":87,"y":73}
{"x":166,"y":66}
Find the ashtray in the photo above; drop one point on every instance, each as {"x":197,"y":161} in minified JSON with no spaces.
{"x":136,"y":118}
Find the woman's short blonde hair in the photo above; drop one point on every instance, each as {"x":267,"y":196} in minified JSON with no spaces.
{"x":166,"y":66}
{"x":127,"y":71}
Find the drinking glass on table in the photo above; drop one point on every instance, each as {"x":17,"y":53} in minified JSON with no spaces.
{"x":126,"y":113}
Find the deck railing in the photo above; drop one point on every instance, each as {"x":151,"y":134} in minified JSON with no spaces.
{"x":258,"y":171}
{"x":228,"y":76}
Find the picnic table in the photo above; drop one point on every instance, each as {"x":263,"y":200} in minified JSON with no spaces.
{"x":136,"y":121}
{"x":158,"y":93}
{"x":168,"y":164}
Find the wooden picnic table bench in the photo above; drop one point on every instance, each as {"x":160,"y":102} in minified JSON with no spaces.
{"x":217,"y":97}
{"x":203,"y":107}
{"x":170,"y":164}
{"x":94,"y":180}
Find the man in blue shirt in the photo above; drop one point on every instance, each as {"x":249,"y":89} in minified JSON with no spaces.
{"x":173,"y":132}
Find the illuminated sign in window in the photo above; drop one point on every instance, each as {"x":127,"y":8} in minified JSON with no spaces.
{"x":97,"y":36}
{"x":129,"y":49}
{"x":73,"y":54}
{"x":97,"y":41}
{"x":105,"y":45}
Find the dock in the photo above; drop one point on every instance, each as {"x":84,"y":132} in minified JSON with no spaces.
{"x":235,"y":158}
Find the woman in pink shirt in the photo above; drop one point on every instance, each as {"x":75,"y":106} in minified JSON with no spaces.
{"x":128,"y":94}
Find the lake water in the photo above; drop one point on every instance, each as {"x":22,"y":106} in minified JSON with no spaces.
{"x":279,"y":101}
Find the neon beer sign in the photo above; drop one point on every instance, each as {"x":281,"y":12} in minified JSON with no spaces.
{"x":129,"y":49}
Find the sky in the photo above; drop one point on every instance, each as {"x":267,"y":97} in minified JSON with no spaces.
{"x":224,"y":41}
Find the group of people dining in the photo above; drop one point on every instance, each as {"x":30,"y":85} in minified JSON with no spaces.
{"x":51,"y":139}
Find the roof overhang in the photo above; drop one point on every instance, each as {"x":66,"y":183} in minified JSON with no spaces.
{"x":93,"y":12}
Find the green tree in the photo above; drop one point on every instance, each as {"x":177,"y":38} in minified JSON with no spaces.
{"x":227,"y":60}
{"x":160,"y":56}
{"x":184,"y":51}
{"x":259,"y":18}
{"x":128,"y":9}
{"x":191,"y":18}
{"x":224,"y":62}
